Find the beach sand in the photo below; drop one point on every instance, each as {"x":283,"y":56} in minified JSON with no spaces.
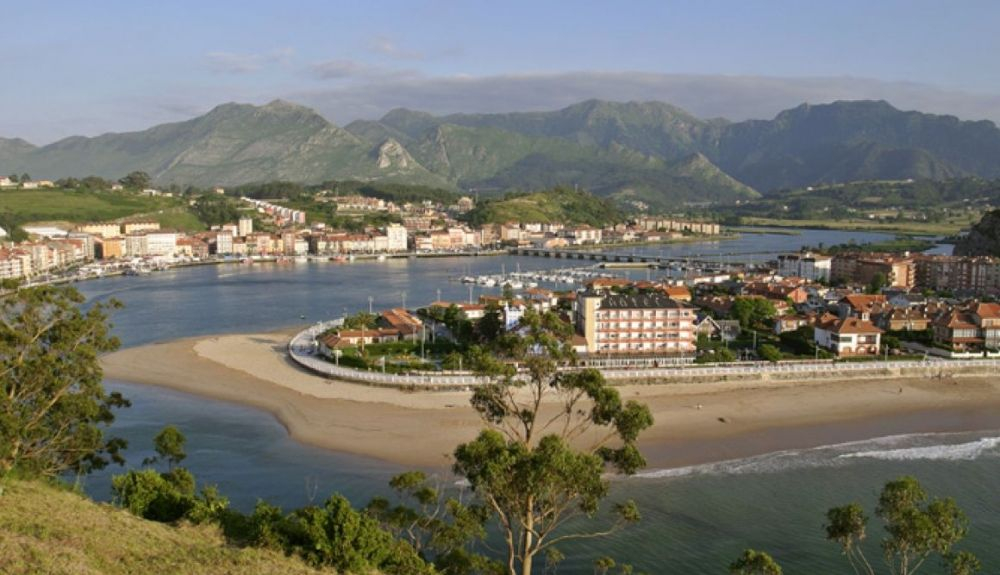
{"x":695,"y":423}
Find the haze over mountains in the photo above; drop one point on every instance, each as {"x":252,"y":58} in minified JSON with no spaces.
{"x":649,"y":151}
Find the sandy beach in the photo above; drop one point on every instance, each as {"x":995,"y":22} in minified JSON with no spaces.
{"x":695,"y":423}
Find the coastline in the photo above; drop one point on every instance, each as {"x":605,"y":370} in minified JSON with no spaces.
{"x":696,"y":423}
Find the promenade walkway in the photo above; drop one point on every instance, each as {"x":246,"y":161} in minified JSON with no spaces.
{"x":303,"y":349}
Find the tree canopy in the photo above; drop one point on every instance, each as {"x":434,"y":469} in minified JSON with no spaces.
{"x":53,"y":408}
{"x":550,"y":436}
{"x":917,"y":528}
{"x":136,"y":180}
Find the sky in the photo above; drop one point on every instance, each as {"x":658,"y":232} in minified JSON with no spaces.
{"x":85,"y":68}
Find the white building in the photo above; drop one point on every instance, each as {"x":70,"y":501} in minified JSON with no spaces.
{"x":245,"y":227}
{"x":14,"y":264}
{"x":224,"y":242}
{"x":650,"y":323}
{"x":135,"y":245}
{"x":848,"y":336}
{"x":805,"y":265}
{"x":397,"y":237}
{"x":161,"y":243}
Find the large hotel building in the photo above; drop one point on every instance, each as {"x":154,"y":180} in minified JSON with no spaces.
{"x":645,"y":323}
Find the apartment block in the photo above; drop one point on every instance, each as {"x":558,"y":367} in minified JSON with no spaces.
{"x":805,"y":265}
{"x":857,"y":268}
{"x":955,"y":273}
{"x":646,"y":323}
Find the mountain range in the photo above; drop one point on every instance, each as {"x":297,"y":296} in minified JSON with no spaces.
{"x":649,"y":152}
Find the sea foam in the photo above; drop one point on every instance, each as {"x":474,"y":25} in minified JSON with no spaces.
{"x":932,"y":446}
{"x":945,"y":452}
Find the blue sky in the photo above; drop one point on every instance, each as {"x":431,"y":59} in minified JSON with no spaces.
{"x":91,"y":67}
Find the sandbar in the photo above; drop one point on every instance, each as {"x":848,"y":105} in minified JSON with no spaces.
{"x":695,"y":423}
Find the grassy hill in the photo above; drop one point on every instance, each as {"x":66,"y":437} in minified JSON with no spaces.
{"x":20,"y":207}
{"x":53,"y":531}
{"x":78,"y":205}
{"x":557,"y":205}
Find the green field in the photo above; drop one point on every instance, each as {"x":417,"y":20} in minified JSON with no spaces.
{"x":178,"y":218}
{"x":77,"y":206}
{"x":20,"y":207}
{"x":945,"y":228}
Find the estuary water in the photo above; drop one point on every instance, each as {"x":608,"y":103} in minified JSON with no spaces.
{"x":695,"y":520}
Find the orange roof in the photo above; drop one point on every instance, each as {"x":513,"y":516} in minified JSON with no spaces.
{"x":849,"y":325}
{"x":987,"y":310}
{"x":608,"y":282}
{"x":401,"y":320}
{"x":862,"y":301}
{"x":955,"y":320}
{"x":676,"y":291}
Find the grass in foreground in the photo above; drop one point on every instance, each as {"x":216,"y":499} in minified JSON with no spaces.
{"x":47,"y":530}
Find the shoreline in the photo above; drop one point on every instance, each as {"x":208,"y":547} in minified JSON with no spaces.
{"x":695,"y":423}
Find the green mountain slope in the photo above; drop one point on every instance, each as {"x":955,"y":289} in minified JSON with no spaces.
{"x":651,"y":128}
{"x":232,"y":144}
{"x":649,"y":151}
{"x":46,"y":530}
{"x":576,"y":146}
{"x":848,"y":141}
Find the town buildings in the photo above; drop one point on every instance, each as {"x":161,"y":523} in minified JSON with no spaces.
{"x":862,"y":269}
{"x":807,"y":265}
{"x":972,"y":328}
{"x":846,"y":336}
{"x":645,"y":323}
{"x":245,"y":226}
{"x":958,"y":274}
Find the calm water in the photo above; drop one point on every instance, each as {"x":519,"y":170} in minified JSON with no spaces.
{"x":695,"y":520}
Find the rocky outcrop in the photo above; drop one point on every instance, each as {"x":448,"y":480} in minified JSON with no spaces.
{"x":392,"y":154}
{"x":983,"y":239}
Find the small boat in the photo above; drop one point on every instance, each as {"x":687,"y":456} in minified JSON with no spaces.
{"x":381,"y":257}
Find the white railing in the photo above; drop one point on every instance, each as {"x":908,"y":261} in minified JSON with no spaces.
{"x":303,"y":350}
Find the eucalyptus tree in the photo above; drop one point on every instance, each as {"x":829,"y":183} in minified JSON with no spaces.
{"x":53,"y":407}
{"x":551,"y":434}
{"x":916,"y":526}
{"x":754,"y":562}
{"x":917,"y":529}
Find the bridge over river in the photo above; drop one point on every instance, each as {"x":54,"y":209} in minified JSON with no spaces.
{"x":712,"y":260}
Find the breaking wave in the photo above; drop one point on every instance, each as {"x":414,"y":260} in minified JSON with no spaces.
{"x":928,"y":447}
{"x":947,"y":452}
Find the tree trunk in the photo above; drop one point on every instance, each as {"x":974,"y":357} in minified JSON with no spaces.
{"x":529,"y":542}
{"x":526,"y":567}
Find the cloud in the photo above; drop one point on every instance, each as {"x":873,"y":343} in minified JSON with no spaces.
{"x":706,"y":96}
{"x":339,"y":69}
{"x":241,"y":63}
{"x":344,"y":69}
{"x":388,"y":47}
